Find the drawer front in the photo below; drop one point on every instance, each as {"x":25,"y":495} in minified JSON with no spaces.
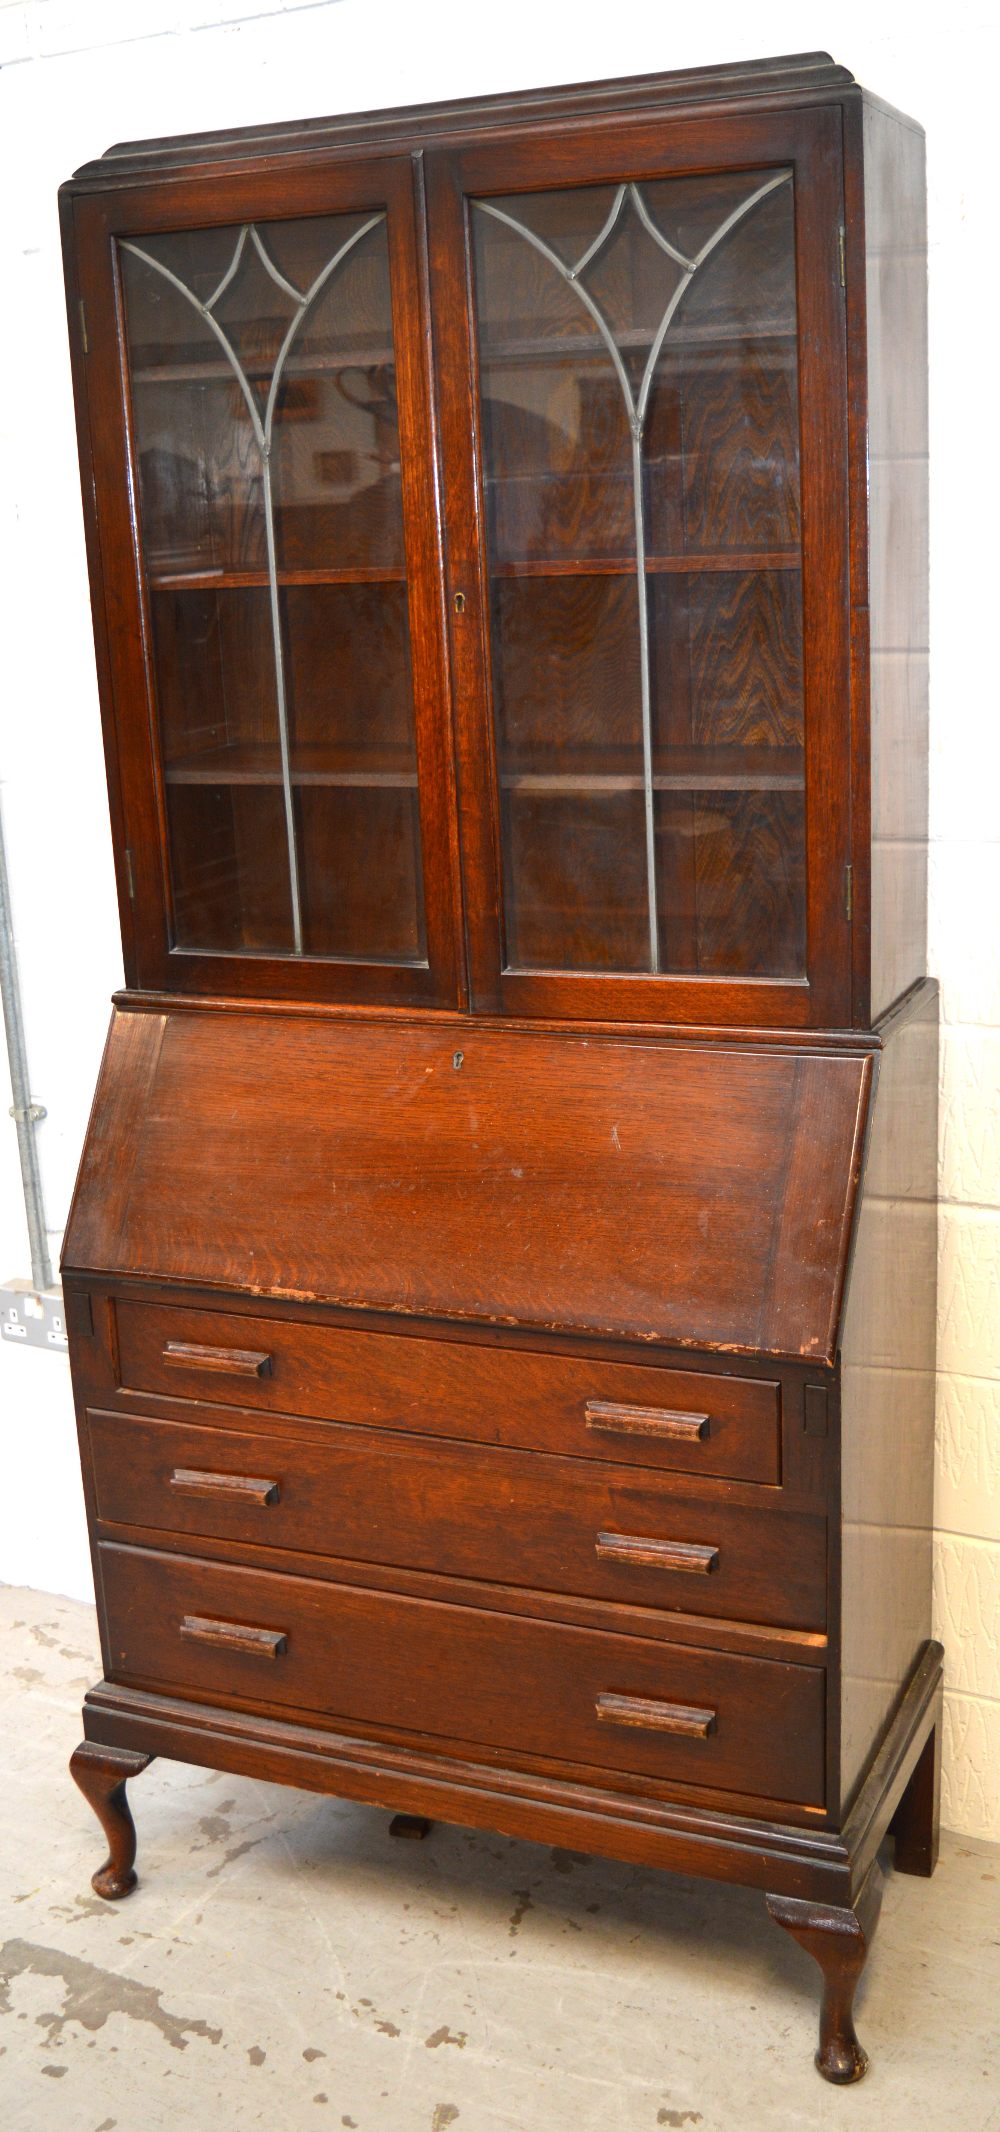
{"x":677,"y":1420}
{"x":508,"y":1684}
{"x":509,"y":1517}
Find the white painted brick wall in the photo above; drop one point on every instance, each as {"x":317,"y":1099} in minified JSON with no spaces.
{"x":77,"y":74}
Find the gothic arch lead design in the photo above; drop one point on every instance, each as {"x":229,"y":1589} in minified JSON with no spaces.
{"x":263,"y":430}
{"x":636,"y":408}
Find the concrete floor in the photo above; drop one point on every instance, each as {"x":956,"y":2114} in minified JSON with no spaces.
{"x":285,"y":1965}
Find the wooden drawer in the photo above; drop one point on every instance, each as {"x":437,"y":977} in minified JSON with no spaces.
{"x":510,"y":1517}
{"x":506,"y":1683}
{"x":679,"y":1420}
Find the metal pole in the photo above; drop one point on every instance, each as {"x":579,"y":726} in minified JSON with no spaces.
{"x":24,"y":1112}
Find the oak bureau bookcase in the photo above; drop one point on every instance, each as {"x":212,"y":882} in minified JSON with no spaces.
{"x":501,"y":1274}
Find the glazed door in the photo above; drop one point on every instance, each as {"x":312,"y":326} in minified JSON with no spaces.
{"x":258,"y":387}
{"x":643,"y":371}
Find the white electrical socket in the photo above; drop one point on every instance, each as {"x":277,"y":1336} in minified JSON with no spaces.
{"x":36,"y":1318}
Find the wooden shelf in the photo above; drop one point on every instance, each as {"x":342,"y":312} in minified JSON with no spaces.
{"x":674,"y":770}
{"x":590,"y":770}
{"x":259,"y":763}
{"x":241,"y":580}
{"x":514,"y":348}
{"x":206,"y":369}
{"x":706,"y":341}
{"x":525,"y":567}
{"x":656,"y":565}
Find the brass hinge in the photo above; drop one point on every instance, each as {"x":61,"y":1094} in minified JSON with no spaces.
{"x":83,"y":325}
{"x":841,"y":244}
{"x":129,"y":875}
{"x":849,"y":893}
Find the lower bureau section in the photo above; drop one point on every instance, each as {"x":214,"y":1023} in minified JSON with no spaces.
{"x":453,"y":1676}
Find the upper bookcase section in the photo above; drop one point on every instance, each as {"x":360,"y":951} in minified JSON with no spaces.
{"x":490,"y":603}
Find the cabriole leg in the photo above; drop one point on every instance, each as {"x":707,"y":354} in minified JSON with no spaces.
{"x":916,"y":1823}
{"x":839,"y":1941}
{"x":102,"y":1774}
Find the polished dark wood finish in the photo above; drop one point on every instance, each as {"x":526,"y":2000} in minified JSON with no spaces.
{"x":234,"y":1361}
{"x":887,"y":1385}
{"x":239,"y":1487}
{"x":641,"y":1821}
{"x":605,"y":1418}
{"x":839,"y":1941}
{"x":749,"y":840}
{"x":102,"y":1774}
{"x":525,"y":1398}
{"x":649,"y":1716}
{"x":504,"y":1374}
{"x":234,"y":1636}
{"x":657,"y":1554}
{"x":886,"y":277}
{"x":854,"y":343}
{"x":916,"y":1823}
{"x":799,"y":78}
{"x":494,"y":1682}
{"x":738,"y":1244}
{"x":505,"y":1516}
{"x":94,"y":225}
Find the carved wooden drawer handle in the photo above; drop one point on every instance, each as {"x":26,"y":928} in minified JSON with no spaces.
{"x":243,"y":1486}
{"x":657,"y":1554}
{"x":229,"y":1361}
{"x":610,"y":1419}
{"x":232,"y":1636}
{"x":689,"y":1724}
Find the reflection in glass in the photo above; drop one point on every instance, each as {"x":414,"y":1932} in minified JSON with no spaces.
{"x":640,"y":463}
{"x":264,"y":408}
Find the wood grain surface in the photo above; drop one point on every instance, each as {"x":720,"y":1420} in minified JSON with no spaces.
{"x":365,"y":1659}
{"x":513,"y":1517}
{"x":582,"y":1406}
{"x":649,"y":1191}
